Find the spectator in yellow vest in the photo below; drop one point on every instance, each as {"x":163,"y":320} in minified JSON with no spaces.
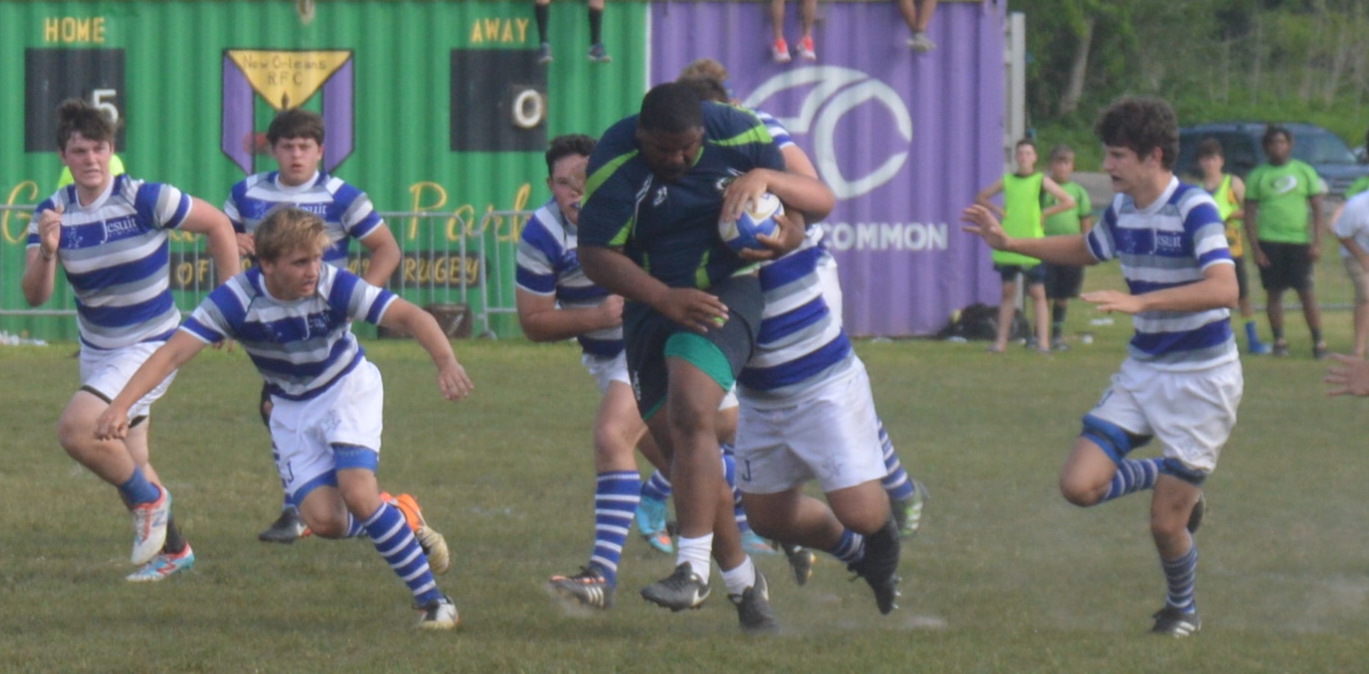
{"x":1023,"y":217}
{"x":1229,"y":192}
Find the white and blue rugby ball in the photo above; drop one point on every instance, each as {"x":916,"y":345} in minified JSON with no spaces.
{"x":758,"y":219}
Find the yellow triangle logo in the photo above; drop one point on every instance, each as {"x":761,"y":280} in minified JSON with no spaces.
{"x":286,"y":79}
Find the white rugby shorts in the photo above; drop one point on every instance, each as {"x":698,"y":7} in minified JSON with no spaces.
{"x":829,"y":433}
{"x":108,"y":371}
{"x":1190,"y":412}
{"x":304,"y":431}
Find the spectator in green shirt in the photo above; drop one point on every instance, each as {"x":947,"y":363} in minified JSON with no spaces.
{"x":1285,"y":240}
{"x":1064,"y":281}
{"x":1022,"y":216}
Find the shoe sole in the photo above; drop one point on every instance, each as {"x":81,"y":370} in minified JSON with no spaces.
{"x":435,"y":547}
{"x":139,"y":577}
{"x":435,"y":625}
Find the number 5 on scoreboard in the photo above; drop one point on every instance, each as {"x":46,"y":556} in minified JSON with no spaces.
{"x":104,"y":100}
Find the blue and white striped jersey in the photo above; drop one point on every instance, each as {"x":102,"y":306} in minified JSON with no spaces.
{"x":801,"y":342}
{"x":548,"y":263}
{"x":1169,"y":243}
{"x":300,"y":346}
{"x":117,"y":259}
{"x":776,"y":129}
{"x":346,"y":210}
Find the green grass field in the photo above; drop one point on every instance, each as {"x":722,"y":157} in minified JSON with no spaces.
{"x":1005,"y":576}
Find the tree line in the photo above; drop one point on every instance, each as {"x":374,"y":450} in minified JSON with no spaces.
{"x":1287,"y":60}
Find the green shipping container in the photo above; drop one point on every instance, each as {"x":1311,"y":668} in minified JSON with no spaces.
{"x":437,"y":109}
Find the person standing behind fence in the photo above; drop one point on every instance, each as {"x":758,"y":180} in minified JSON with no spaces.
{"x":296,"y":142}
{"x":541,"y":10}
{"x":1064,"y":281}
{"x":1022,"y":217}
{"x":1286,"y":241}
{"x":1228,"y":191}
{"x":110,"y":234}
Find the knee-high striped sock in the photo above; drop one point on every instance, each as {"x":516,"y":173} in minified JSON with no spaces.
{"x":730,"y":475}
{"x":850,"y":549}
{"x":355,"y":527}
{"x":1181,"y":575}
{"x":396,"y":543}
{"x":616,"y":494}
{"x":896,"y":481}
{"x":1133,"y":475}
{"x":656,"y":487}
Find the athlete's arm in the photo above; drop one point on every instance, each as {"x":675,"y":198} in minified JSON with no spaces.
{"x":611,"y":269}
{"x":1217,"y":289}
{"x":799,"y":192}
{"x":218,"y":230}
{"x":542,"y":321}
{"x":113,"y":422}
{"x":385,"y":255}
{"x":40,"y":262}
{"x":451,"y":377}
{"x":1068,"y":249}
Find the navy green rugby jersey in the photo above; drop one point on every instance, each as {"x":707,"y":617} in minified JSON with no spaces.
{"x":670,"y":229}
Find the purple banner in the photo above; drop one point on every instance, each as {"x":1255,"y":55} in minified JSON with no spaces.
{"x":905,"y":139}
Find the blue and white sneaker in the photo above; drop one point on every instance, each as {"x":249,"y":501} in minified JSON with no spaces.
{"x":163,"y":565}
{"x":753,"y":544}
{"x":149,"y":527}
{"x":651,"y":522}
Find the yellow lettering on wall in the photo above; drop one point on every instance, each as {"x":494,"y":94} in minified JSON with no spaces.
{"x":74,"y":29}
{"x":21,"y":218}
{"x":464,"y":214}
{"x":496,"y":29}
{"x":431,"y":197}
{"x":492,"y":28}
{"x":417,"y":205}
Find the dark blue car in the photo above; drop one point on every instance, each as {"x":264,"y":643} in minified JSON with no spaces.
{"x":1317,"y":146}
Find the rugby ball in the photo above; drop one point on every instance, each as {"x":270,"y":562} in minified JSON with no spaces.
{"x":758,"y":218}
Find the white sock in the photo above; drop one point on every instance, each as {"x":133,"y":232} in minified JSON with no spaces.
{"x":696,"y":551}
{"x":740,"y":578}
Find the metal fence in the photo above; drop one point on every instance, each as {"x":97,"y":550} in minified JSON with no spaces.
{"x":450,"y":264}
